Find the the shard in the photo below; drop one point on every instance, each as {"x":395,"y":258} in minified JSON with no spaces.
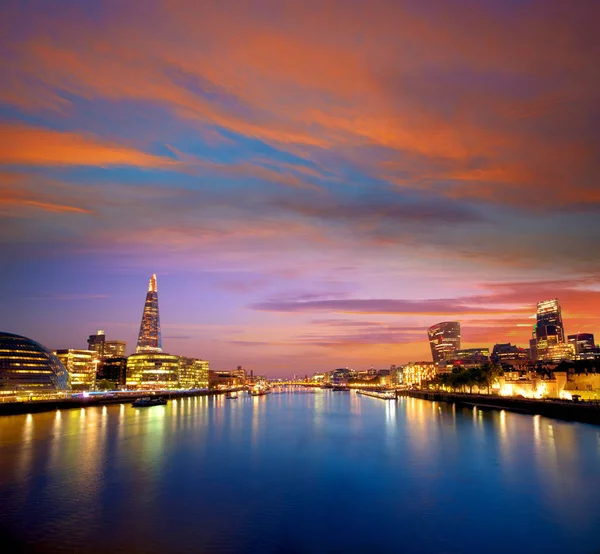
{"x":149,"y":339}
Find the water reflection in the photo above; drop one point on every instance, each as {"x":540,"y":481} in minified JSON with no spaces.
{"x":288,"y":459}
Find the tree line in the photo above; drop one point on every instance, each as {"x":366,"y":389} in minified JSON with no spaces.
{"x":463,"y":379}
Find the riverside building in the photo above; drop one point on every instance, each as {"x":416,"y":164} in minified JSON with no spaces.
{"x":153,"y":371}
{"x":193,"y":373}
{"x":29,"y":371}
{"x":81,"y":365}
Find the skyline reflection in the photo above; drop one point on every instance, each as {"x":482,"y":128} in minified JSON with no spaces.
{"x":68,"y":468}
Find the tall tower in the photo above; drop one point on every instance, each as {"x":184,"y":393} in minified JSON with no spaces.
{"x":149,"y":339}
{"x":548,"y":332}
{"x":444,"y":339}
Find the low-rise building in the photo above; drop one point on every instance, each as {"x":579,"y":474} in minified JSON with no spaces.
{"x":415,"y":373}
{"x":153,"y":371}
{"x":193,"y":373}
{"x":112,"y":373}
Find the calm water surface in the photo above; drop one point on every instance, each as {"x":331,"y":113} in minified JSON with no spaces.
{"x":298,"y":472}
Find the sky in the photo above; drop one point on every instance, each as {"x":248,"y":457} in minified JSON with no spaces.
{"x":313,"y":182}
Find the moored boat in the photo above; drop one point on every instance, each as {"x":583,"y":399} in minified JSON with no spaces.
{"x":231,"y":395}
{"x":147,"y":401}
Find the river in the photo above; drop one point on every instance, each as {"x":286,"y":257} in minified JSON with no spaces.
{"x":296,"y":472}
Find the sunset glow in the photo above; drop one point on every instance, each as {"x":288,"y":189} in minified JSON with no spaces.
{"x":313,"y":186}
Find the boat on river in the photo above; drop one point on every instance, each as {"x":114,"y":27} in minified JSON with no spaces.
{"x":147,"y":401}
{"x":231,"y":395}
{"x":259,"y":391}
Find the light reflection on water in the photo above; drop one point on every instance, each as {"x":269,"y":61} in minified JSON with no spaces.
{"x":253,"y":474}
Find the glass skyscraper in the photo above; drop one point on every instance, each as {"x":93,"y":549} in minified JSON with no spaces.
{"x":149,"y":339}
{"x":548,"y":332}
{"x":444,"y":339}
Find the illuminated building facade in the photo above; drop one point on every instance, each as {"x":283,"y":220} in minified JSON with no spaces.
{"x":548,"y":332}
{"x":29,"y":370}
{"x":415,"y":373}
{"x":106,"y":348}
{"x":153,"y":371}
{"x":81,"y":365}
{"x":149,"y":339}
{"x":193,"y":373}
{"x":444,"y":340}
{"x":114,"y":348}
{"x":584,"y":345}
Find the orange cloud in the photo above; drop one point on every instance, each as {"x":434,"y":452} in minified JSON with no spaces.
{"x":14,"y":194}
{"x":25,"y":145}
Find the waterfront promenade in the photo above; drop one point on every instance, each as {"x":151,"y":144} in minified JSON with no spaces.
{"x":561,"y":409}
{"x":117,"y":397}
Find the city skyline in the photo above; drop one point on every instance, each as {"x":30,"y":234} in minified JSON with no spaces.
{"x":310,"y":195}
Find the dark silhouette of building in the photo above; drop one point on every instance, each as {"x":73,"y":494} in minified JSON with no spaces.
{"x":149,"y":339}
{"x":114,"y":370}
{"x":96,"y":342}
{"x":444,"y":339}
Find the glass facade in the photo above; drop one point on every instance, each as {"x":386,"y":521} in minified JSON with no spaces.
{"x":153,"y":371}
{"x":444,"y":340}
{"x":583,"y":344}
{"x":149,"y":339}
{"x":193,"y":373}
{"x":549,"y":333}
{"x":82,"y":366}
{"x":29,"y":370}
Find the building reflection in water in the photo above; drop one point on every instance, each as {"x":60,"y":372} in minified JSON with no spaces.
{"x":94,"y":459}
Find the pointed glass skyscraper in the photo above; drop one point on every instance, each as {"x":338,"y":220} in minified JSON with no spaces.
{"x":149,"y":339}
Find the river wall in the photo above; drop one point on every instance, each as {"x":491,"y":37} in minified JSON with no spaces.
{"x":17,"y":408}
{"x":586,"y":412}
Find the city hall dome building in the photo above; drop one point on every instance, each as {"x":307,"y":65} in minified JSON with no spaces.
{"x":28,"y":369}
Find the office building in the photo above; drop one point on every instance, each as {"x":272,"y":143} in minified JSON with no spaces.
{"x":29,"y":370}
{"x":106,"y":348}
{"x":149,"y":339}
{"x":193,"y":373}
{"x":511,"y":354}
{"x":548,"y":331}
{"x":584,"y":345}
{"x":96,"y":343}
{"x":112,"y":373}
{"x":444,"y":340}
{"x":81,"y":365}
{"x":469,"y":357}
{"x":153,"y":371}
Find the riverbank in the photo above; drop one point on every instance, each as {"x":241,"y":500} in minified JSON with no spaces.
{"x":125,"y":397}
{"x":382,"y":395}
{"x":572,"y":411}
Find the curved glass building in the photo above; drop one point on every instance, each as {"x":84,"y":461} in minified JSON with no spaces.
{"x":444,"y":340}
{"x":28,"y":369}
